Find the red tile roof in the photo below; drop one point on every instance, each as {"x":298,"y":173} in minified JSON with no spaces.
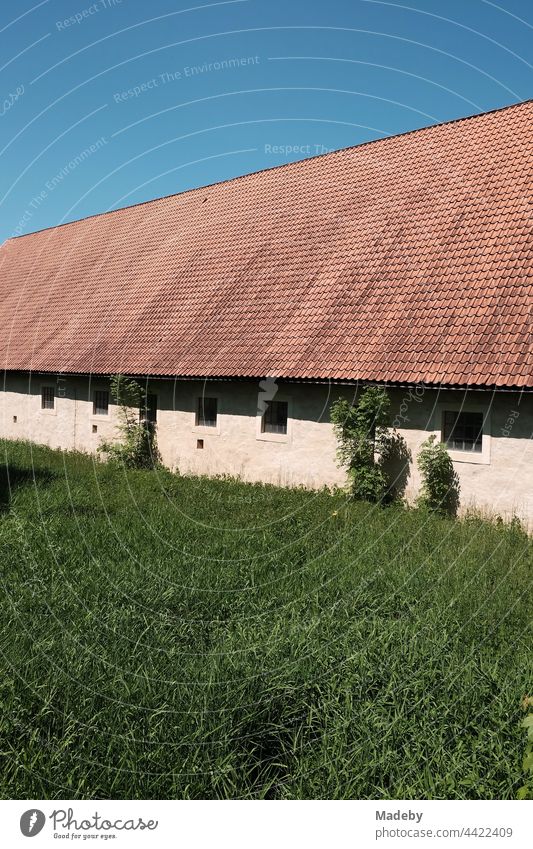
{"x":406,"y":259}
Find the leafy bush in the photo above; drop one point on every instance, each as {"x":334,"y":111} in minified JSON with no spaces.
{"x":137,"y":448}
{"x":361,"y":431}
{"x":440,"y":483}
{"x":395,"y":459}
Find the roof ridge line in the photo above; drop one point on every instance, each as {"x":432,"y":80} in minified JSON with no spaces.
{"x":273,"y":168}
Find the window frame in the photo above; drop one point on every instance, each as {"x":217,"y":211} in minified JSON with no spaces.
{"x":266,"y":436}
{"x":269,"y":405}
{"x":457,"y":425}
{"x":101,"y":415}
{"x":146,"y":407}
{"x":465,"y":456}
{"x":49,"y":411}
{"x":205,"y":430}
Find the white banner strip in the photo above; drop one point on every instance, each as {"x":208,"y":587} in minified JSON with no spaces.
{"x":267,"y":825}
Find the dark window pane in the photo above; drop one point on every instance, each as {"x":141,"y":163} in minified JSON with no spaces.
{"x":463,"y":431}
{"x":148,"y":412}
{"x":47,"y":398}
{"x":101,"y":403}
{"x":275,"y":417}
{"x":206,"y":414}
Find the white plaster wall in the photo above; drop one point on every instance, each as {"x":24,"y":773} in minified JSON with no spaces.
{"x":69,"y":425}
{"x":499,"y":482}
{"x":305,"y":456}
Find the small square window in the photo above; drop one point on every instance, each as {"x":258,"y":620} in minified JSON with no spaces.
{"x":101,"y":403}
{"x":95,"y":428}
{"x":148,"y":411}
{"x":206,"y":413}
{"x":275,"y":417}
{"x":463,"y":431}
{"x":47,"y":398}
{"x":199,"y":443}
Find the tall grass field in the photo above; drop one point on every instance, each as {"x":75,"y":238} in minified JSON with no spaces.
{"x":178,"y":637}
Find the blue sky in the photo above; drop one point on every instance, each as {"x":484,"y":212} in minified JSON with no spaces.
{"x":113,"y":102}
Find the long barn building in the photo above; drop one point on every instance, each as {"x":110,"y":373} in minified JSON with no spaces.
{"x":248,"y":306}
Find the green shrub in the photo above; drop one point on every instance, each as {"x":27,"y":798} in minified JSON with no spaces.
{"x":138,"y":447}
{"x":440,"y":484}
{"x":361,"y":431}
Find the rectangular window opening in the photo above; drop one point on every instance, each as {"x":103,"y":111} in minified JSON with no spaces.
{"x":199,"y":443}
{"x":95,"y":428}
{"x":14,"y":419}
{"x":101,"y":402}
{"x":47,"y":397}
{"x":206,"y":412}
{"x":148,"y":412}
{"x":275,"y":417}
{"x":463,"y":431}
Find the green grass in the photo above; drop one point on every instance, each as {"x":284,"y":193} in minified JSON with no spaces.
{"x":171,"y":637}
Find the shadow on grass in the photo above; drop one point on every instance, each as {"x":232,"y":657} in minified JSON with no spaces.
{"x":14,"y":477}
